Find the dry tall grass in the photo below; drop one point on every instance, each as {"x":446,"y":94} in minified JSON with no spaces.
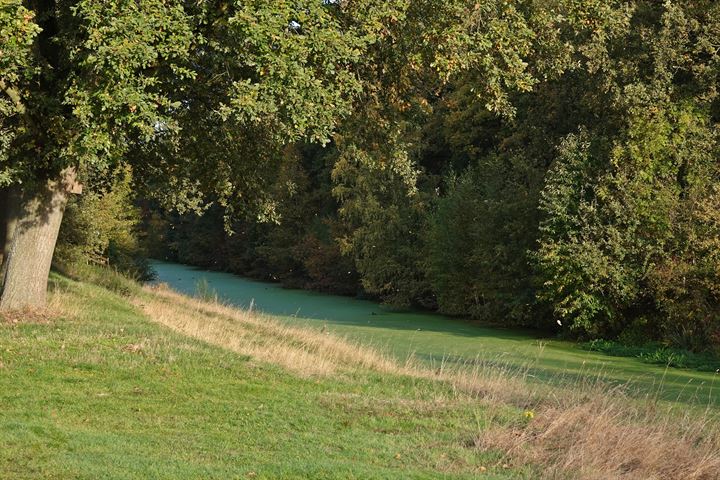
{"x":303,"y":351}
{"x":606,"y":437}
{"x":586,"y":431}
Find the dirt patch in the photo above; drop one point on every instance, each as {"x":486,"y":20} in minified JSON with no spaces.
{"x":27,"y":316}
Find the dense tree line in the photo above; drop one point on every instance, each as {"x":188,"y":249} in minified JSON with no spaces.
{"x":587,"y":203}
{"x":543,"y":163}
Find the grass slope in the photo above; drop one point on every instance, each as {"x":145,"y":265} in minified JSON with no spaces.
{"x":436,"y":338}
{"x":156,"y":385}
{"x":104,"y":393}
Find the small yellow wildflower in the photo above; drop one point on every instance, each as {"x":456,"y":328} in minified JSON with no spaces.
{"x":529,"y":414}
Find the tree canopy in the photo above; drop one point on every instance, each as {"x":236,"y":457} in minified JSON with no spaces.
{"x":545,"y":163}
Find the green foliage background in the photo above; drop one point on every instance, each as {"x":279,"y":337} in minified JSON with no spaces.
{"x":582,"y":198}
{"x":102,"y":228}
{"x":552,"y":164}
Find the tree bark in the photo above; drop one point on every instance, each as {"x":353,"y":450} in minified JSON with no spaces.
{"x":8,"y":222}
{"x":27,"y":264}
{"x":4,"y":234}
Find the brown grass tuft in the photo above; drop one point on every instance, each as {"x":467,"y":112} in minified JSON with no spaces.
{"x":58,"y":305}
{"x":304,"y":351}
{"x":609,"y":436}
{"x":26,"y":316}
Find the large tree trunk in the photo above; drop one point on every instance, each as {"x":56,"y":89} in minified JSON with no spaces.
{"x":27,"y":263}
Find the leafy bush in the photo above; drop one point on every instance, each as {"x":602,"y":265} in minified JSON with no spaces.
{"x":103,"y":276}
{"x":478,"y":241}
{"x":386,"y":217}
{"x":102,"y":229}
{"x":658,"y":354}
{"x":632,"y":227}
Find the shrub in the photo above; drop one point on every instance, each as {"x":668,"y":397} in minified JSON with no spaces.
{"x":632,"y":227}
{"x":101,"y":229}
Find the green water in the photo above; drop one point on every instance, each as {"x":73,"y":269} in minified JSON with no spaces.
{"x":435,"y":338}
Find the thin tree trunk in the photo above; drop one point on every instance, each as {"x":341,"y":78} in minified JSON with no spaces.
{"x":28,"y":261}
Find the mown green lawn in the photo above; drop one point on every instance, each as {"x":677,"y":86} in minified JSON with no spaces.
{"x":108,"y":394}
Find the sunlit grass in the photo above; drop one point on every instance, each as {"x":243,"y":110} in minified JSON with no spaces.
{"x":157,"y":385}
{"x":585,"y":429}
{"x":435,"y":339}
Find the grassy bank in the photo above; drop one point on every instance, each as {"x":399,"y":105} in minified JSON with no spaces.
{"x":150,"y":384}
{"x":436,"y":339}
